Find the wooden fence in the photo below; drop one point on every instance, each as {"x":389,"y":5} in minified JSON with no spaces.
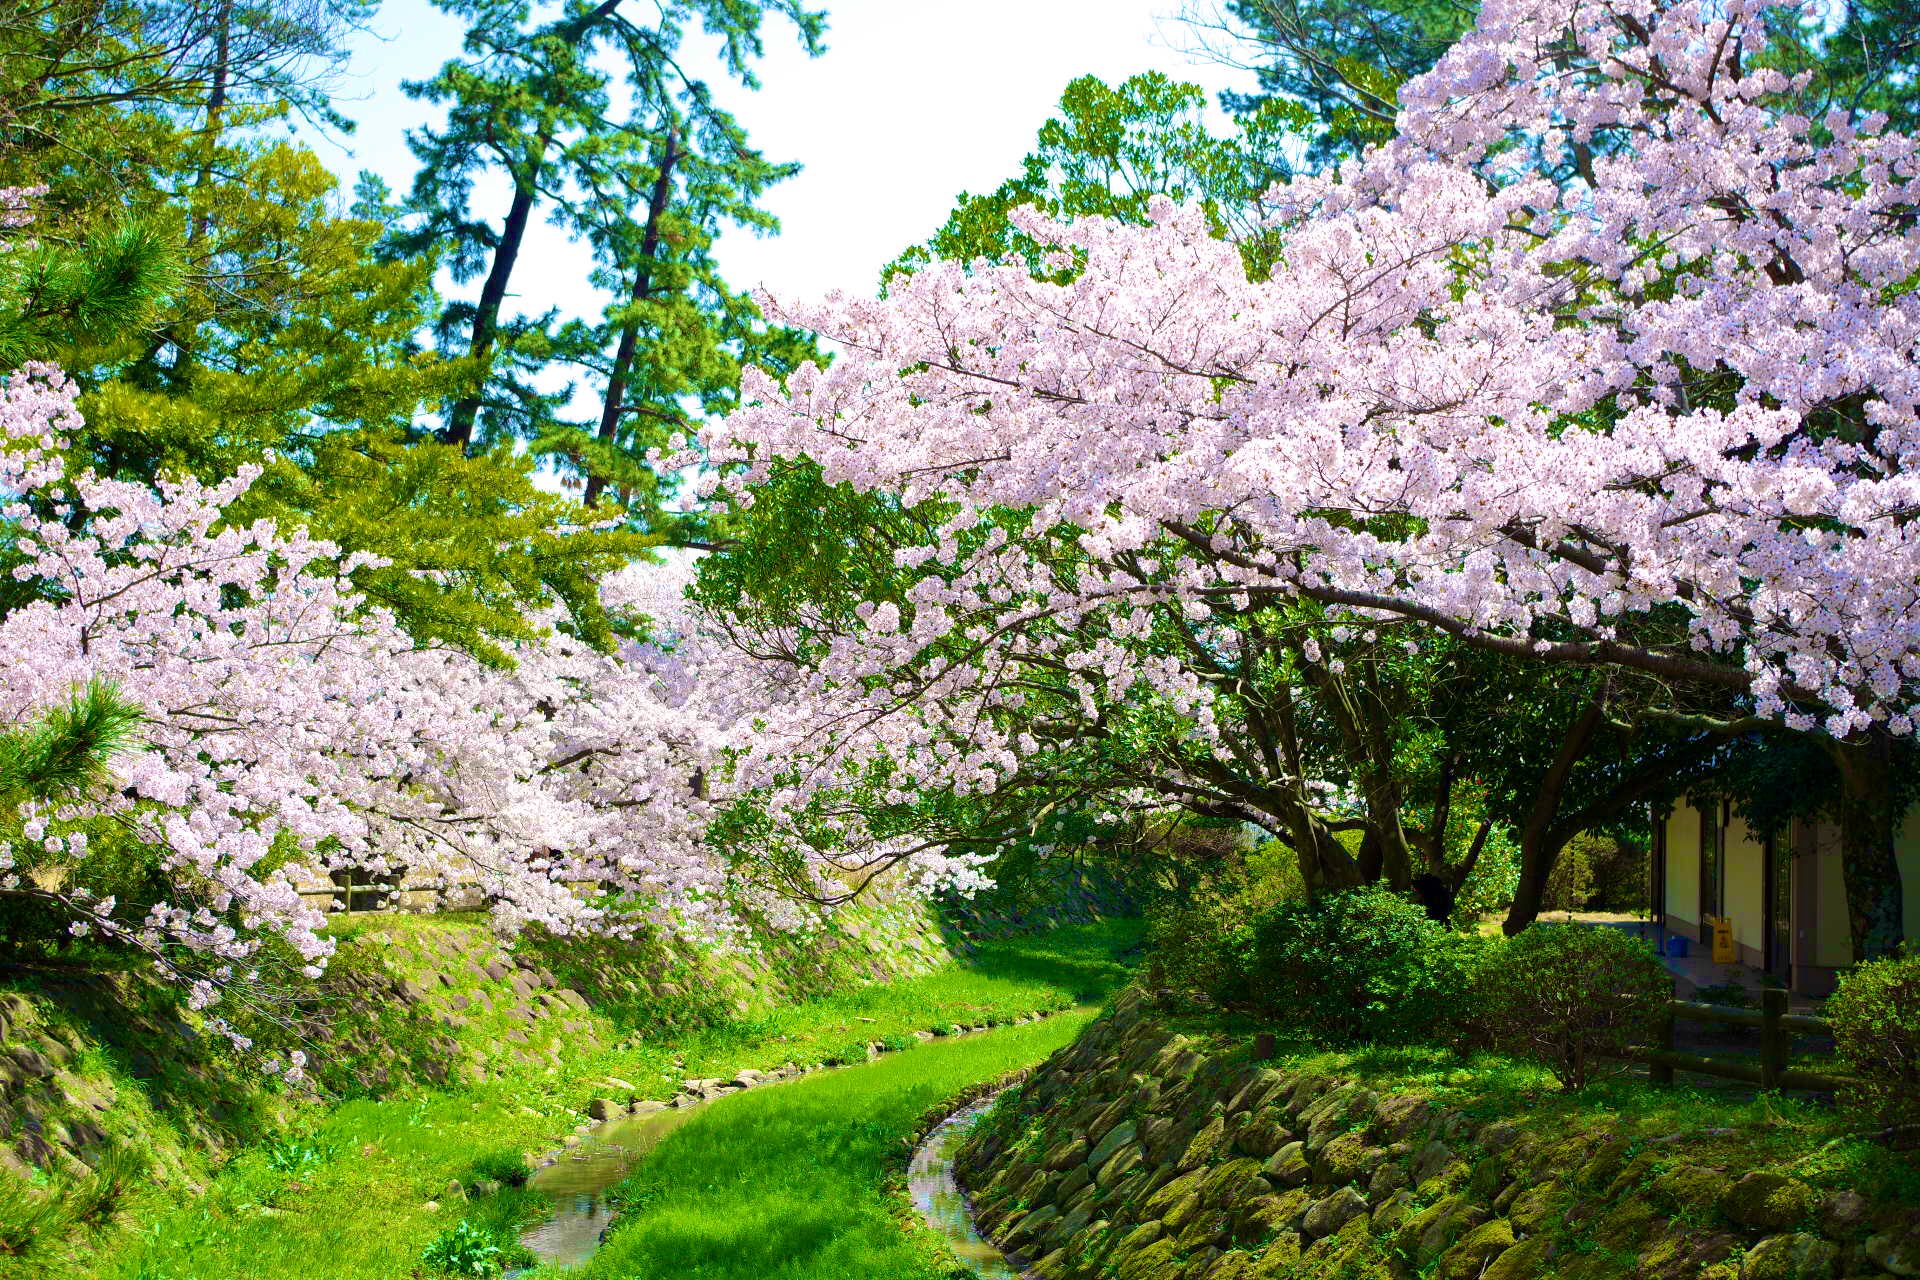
{"x":1774,"y":1068}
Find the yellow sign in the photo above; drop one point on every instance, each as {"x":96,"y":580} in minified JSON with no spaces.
{"x":1724,"y":949}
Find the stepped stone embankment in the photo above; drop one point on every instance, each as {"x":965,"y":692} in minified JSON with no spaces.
{"x":1140,"y":1153}
{"x":91,"y":1064}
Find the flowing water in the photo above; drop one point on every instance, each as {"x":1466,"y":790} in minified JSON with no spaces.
{"x":579,"y":1181}
{"x":938,"y":1196}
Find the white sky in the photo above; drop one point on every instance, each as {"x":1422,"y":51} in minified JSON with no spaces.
{"x":913,"y":102}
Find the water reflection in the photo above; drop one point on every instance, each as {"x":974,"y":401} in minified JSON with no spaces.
{"x":578,"y":1182}
{"x":940,"y":1201}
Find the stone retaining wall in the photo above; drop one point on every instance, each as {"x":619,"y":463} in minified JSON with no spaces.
{"x":1140,"y":1154}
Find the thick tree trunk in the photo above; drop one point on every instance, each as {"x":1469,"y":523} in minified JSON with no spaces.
{"x":1867,"y":859}
{"x":622,"y":369}
{"x":493,"y":294}
{"x":1542,"y":838}
{"x":1325,"y":864}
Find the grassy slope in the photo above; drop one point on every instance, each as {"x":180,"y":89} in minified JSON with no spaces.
{"x":360,"y":1209}
{"x":1723,"y":1123}
{"x":792,"y":1183}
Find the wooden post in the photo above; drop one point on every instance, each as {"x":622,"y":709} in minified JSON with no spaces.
{"x":1264,"y":1046}
{"x":1660,"y":1072}
{"x":1774,"y":1040}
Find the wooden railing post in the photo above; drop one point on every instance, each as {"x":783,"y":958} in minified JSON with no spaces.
{"x":1774,"y":1040}
{"x":1660,"y":1071}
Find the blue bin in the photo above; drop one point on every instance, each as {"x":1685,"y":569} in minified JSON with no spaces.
{"x":1677,"y":947}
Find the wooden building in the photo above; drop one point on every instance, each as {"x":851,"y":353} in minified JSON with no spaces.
{"x":1783,"y":895}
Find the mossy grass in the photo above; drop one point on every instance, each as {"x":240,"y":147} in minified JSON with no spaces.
{"x":800,"y":1182}
{"x":1720,"y":1123}
{"x":363,"y":1210}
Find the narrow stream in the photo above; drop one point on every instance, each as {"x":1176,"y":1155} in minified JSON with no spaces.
{"x":938,"y":1196}
{"x":578,"y":1183}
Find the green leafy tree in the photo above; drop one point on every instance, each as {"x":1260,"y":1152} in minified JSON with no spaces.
{"x":589,"y":116}
{"x":669,"y":349}
{"x":1342,"y":60}
{"x":1110,"y":152}
{"x":222,"y":305}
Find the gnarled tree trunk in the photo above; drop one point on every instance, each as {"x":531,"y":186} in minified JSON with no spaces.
{"x":1867,"y":859}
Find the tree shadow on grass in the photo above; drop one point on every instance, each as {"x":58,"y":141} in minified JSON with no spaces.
{"x":1090,"y":961}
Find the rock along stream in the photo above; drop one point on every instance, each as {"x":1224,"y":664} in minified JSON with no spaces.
{"x":578,"y":1183}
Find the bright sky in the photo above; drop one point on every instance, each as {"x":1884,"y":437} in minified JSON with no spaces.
{"x":913,"y":102}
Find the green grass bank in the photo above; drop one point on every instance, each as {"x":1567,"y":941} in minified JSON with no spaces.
{"x":359,"y":1189}
{"x":802,"y":1182}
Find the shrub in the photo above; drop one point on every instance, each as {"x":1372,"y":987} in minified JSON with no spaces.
{"x":1206,"y":947}
{"x":1572,"y":997}
{"x":1618,"y":870}
{"x":1728,"y":995}
{"x":1876,"y":1034}
{"x":296,"y":1155}
{"x":1571,"y":882}
{"x":505,"y":1166}
{"x":29,"y":1216}
{"x":465,"y":1249}
{"x":98,"y":1195}
{"x":1364,"y":964}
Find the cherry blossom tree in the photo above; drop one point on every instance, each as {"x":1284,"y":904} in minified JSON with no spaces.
{"x":1607,"y":360}
{"x":288,"y":728}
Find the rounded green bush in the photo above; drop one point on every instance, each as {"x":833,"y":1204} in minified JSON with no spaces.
{"x":1359,"y":965}
{"x":1572,"y":998}
{"x":1205,"y":947}
{"x":1876,"y":1033}
{"x":465,"y":1249}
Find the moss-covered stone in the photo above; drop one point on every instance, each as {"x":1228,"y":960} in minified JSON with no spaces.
{"x":1769,"y":1201}
{"x":1790,"y":1257}
{"x":1601,"y":1167}
{"x":1288,"y":1166}
{"x":1117,"y":1166}
{"x":1429,"y":1160}
{"x":1326,"y":1216}
{"x":1204,"y":1145}
{"x":1278,"y":1259}
{"x":1489,"y":1178}
{"x":1057,"y":1265}
{"x":1526,"y":1260}
{"x":1470,"y":1254}
{"x":1206,"y":1227}
{"x":1348,"y":1158}
{"x":1155,"y":1261}
{"x":1624,"y":1227}
{"x":1065,"y":1153}
{"x":1027,"y":1227}
{"x":1118,"y":1136}
{"x":1181,"y":1211}
{"x":1263,"y":1135}
{"x":1690,"y":1187}
{"x":1683,"y":1252}
{"x":1267,"y":1216}
{"x":1229,"y":1183}
{"x":1896,"y":1250}
{"x":1187,"y":1184}
{"x":1230,"y":1266}
{"x":1431,"y":1232}
{"x":1392,"y":1213}
{"x":1539,"y":1206}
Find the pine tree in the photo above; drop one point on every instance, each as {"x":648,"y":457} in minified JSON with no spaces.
{"x":646,"y":172}
{"x":220,"y":305}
